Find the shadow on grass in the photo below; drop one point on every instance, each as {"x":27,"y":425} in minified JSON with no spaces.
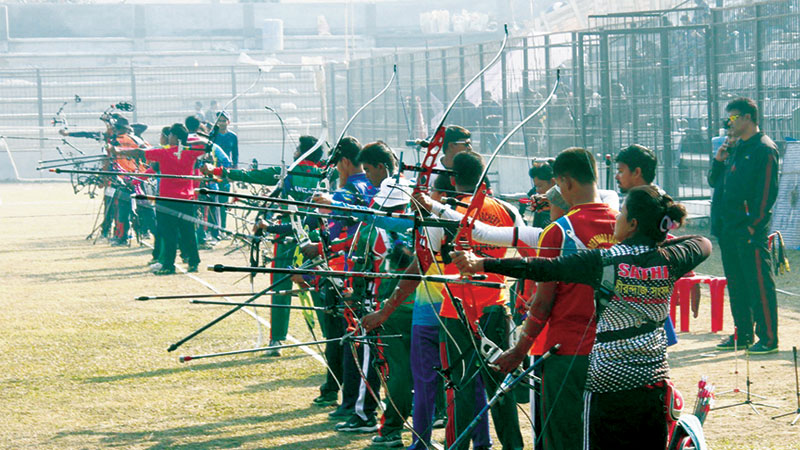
{"x":312,"y":380}
{"x":217,"y":435}
{"x":89,"y":275}
{"x":189,"y":367}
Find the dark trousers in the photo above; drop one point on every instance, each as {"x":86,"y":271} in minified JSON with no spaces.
{"x":279,"y":317}
{"x":462,"y":359}
{"x":124,"y":210}
{"x":333,"y":326}
{"x":633,"y":419}
{"x":174,"y":220}
{"x":751,"y":286}
{"x":398,"y":382}
{"x":109,"y":210}
{"x":223,"y":211}
{"x":356,"y":393}
{"x":563,"y":381}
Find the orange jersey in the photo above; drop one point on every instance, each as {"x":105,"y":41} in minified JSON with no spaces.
{"x":127,"y":165}
{"x":475,"y":298}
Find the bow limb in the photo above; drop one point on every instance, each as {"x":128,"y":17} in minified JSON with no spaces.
{"x":435,"y":148}
{"x":350,"y":121}
{"x":464,"y":236}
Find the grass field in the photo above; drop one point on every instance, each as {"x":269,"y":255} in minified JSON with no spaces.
{"x":83,"y":365}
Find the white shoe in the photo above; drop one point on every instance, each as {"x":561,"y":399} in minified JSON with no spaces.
{"x":156,"y":267}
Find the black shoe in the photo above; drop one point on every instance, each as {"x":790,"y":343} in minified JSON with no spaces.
{"x":357,"y":425}
{"x":393,"y":439}
{"x":192,"y":268}
{"x":340,"y":413}
{"x":759,"y":348}
{"x":327,"y":399}
{"x":730,"y":343}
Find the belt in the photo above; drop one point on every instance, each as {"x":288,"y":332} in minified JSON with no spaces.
{"x":627,"y":333}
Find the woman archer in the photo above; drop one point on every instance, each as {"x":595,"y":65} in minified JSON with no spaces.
{"x":628,"y":375}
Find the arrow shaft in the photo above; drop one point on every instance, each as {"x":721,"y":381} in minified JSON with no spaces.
{"x":259,"y":305}
{"x":234,"y":294}
{"x":344,"y":274}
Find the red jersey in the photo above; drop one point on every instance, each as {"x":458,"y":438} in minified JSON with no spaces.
{"x":474,"y":298}
{"x":573,"y":308}
{"x":175,"y":160}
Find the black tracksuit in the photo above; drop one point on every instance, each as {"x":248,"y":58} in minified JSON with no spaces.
{"x":745,"y":188}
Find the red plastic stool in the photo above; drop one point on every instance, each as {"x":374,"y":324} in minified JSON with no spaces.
{"x":682,"y":294}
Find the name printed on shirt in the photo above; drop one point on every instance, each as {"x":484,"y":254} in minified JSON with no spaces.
{"x":643,"y":273}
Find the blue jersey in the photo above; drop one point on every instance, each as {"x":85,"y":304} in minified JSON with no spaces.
{"x":357,"y":191}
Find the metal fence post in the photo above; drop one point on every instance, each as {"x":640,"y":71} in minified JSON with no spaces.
{"x":428,"y":82}
{"x":386,"y":104}
{"x":349,"y":89}
{"x":235,"y":105}
{"x":373,"y":113}
{"x":606,"y":114}
{"x":548,"y":124}
{"x":461,"y":80}
{"x":711,"y":84}
{"x":331,"y":74}
{"x":713,"y":87}
{"x":412,"y":108}
{"x":504,"y":91}
{"x":444,"y":78}
{"x":400,"y":107}
{"x":482,"y":119}
{"x":525,"y":73}
{"x":670,"y":179}
{"x":575,"y":86}
{"x":363,"y":92}
{"x":582,"y":87}
{"x":758,"y":44}
{"x":133,"y":94}
{"x":40,"y":101}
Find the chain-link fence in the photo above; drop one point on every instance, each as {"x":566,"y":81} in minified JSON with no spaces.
{"x":656,"y":78}
{"x":30,"y":99}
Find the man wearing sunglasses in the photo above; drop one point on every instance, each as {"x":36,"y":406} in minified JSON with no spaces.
{"x":744,"y":175}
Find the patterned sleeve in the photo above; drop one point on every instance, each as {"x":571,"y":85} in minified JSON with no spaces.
{"x":583,"y":267}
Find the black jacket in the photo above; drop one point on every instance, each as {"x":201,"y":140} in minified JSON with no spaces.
{"x":745,"y":188}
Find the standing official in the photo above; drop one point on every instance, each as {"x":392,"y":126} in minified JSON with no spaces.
{"x":744,"y":175}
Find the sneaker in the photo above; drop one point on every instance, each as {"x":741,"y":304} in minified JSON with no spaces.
{"x":327,"y":399}
{"x":165,"y":271}
{"x":393,"y":439}
{"x":759,"y":348}
{"x":357,"y":425}
{"x":340,"y":413}
{"x":152,"y":261}
{"x":192,"y":268}
{"x":205,"y":246}
{"x":155,"y":267}
{"x":274,"y":351}
{"x":439,"y":422}
{"x":729,"y":343}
